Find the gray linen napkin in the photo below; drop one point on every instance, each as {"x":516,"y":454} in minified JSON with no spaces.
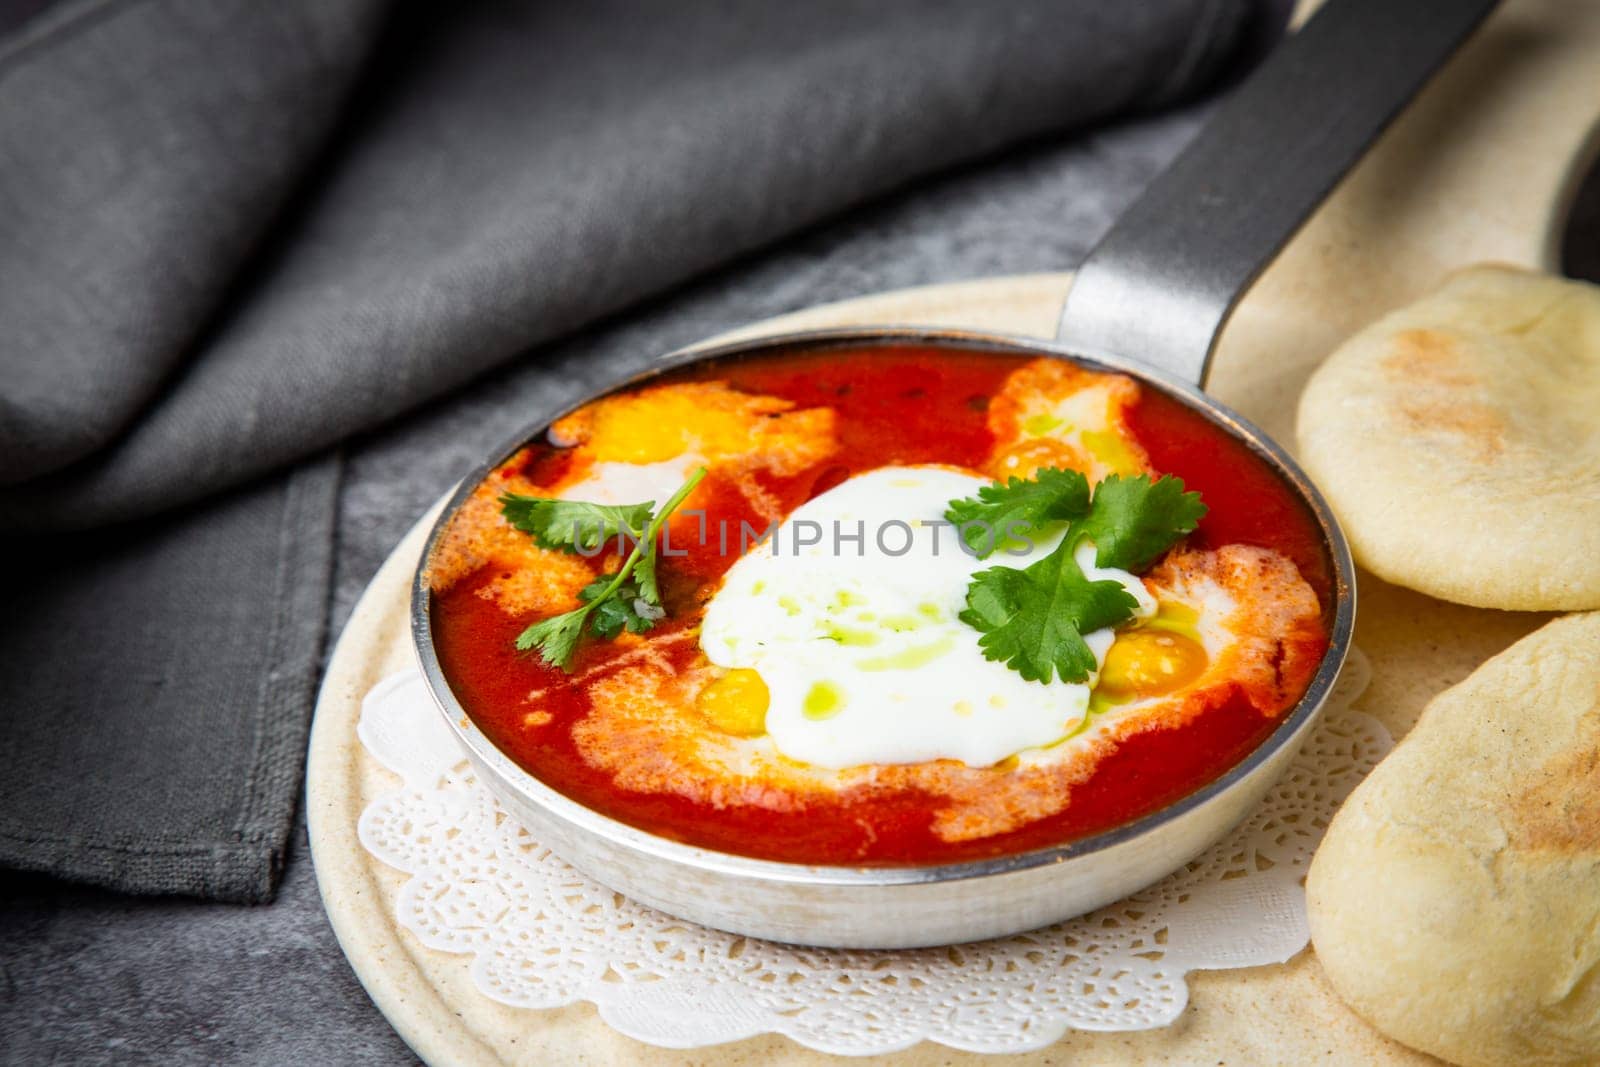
{"x":232,"y":234}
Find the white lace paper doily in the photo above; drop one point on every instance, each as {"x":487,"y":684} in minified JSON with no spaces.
{"x":542,"y":935}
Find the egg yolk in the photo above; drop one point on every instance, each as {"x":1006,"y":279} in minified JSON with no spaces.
{"x":736,"y":703}
{"x":665,"y":424}
{"x":1026,"y":457}
{"x":1148,"y":663}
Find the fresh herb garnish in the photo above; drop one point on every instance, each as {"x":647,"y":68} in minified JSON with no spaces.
{"x":626,"y":609}
{"x":573,"y":524}
{"x":627,"y":600}
{"x":1001,"y":511}
{"x":1034,"y":619}
{"x":1134,"y":520}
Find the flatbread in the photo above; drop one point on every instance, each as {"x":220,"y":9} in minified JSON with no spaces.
{"x":1458,"y":440}
{"x":1455,"y":901}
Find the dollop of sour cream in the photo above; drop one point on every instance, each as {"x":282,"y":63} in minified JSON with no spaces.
{"x":857,"y":637}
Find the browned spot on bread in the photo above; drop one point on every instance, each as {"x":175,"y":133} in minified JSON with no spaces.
{"x":1560,"y":810}
{"x":1478,"y":424}
{"x":1428,"y":357}
{"x":1440,"y":393}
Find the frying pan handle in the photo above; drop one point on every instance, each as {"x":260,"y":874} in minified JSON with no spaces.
{"x":1160,"y":285}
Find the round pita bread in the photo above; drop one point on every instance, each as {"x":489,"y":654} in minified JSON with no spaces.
{"x":1458,"y":439}
{"x":1455,"y":901}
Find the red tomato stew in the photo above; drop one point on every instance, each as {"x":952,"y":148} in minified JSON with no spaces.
{"x":630,"y":729}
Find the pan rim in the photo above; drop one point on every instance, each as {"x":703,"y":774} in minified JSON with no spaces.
{"x":586,"y":820}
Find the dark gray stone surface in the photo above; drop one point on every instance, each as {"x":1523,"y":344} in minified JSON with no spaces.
{"x":88,"y":977}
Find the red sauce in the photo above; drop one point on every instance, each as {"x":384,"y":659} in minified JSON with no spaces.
{"x":895,"y":405}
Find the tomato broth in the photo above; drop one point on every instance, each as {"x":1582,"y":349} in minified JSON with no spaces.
{"x":894,"y":405}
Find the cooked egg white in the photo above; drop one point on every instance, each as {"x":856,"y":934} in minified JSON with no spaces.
{"x":1053,"y":414}
{"x":856,"y":638}
{"x":631,"y":483}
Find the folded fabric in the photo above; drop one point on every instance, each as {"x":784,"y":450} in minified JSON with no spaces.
{"x":232,"y":234}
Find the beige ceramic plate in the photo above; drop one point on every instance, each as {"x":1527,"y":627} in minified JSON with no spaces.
{"x":1476,"y":170}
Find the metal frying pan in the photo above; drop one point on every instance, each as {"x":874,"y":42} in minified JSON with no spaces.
{"x":1149,"y":302}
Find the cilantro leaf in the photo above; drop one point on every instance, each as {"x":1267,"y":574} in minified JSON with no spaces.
{"x":626,"y":609}
{"x":574,"y":524}
{"x":1134,"y":520}
{"x":999,"y":512}
{"x":644,"y":573}
{"x":1034,"y":619}
{"x":556,"y":638}
{"x":627,"y":600}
